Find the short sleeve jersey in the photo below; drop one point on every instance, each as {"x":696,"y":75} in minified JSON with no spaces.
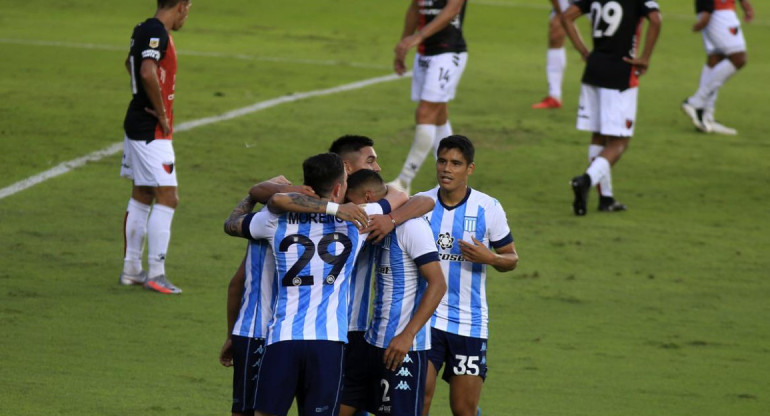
{"x":259,"y":291}
{"x":615,"y":29}
{"x":463,"y":309}
{"x":150,"y":40}
{"x":710,"y":6}
{"x":361,"y":289}
{"x":448,"y":39}
{"x":399,"y":286}
{"x":314,"y":256}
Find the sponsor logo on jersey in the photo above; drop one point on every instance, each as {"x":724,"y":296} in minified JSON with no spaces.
{"x":168,"y":167}
{"x":383,"y":270}
{"x":154,"y":42}
{"x":404,"y":372}
{"x":403,"y":385}
{"x":150,"y":53}
{"x":469,"y":224}
{"x":445,"y":240}
{"x":451,"y":257}
{"x":303,"y":218}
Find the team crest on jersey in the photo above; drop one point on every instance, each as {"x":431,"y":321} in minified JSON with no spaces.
{"x":445,"y":240}
{"x":469,"y":224}
{"x":168,"y":167}
{"x":154,"y":42}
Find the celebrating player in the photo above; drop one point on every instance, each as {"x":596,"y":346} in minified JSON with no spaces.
{"x":608,"y":95}
{"x":556,"y":58}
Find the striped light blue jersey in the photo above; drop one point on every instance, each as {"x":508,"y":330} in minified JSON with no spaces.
{"x":314,"y":256}
{"x":259,"y":291}
{"x":463,"y":309}
{"x":361,"y":289}
{"x":398,"y":284}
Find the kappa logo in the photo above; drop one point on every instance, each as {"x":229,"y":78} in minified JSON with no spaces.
{"x":168,"y":167}
{"x":257,"y":363}
{"x":483,"y":346}
{"x":404,"y":372}
{"x":403,"y":385}
{"x":261,"y":349}
{"x":407,"y":359}
{"x":154,"y":42}
{"x":445,"y":240}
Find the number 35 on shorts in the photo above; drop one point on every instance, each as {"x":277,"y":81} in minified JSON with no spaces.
{"x":467,"y":365}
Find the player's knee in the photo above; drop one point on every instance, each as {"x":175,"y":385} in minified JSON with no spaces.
{"x":739,"y":60}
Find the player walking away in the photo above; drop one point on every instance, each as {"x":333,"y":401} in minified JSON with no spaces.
{"x":249,"y":306}
{"x":314,"y":256}
{"x":725,"y":55}
{"x":556,"y":58}
{"x":390,"y":374}
{"x":435,"y":27}
{"x":465,"y":223}
{"x":148,"y":156}
{"x":609,"y":89}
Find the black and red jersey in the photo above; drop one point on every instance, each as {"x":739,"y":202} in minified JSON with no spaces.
{"x":448,"y":39}
{"x":711,"y":5}
{"x":615,"y":28}
{"x":150,"y":40}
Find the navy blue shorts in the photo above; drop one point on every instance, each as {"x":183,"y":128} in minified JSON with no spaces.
{"x":462,"y":355}
{"x":247,"y":356}
{"x":357,"y":388}
{"x":400,"y":392}
{"x":311,"y":370}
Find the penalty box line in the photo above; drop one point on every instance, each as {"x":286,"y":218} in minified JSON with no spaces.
{"x":70,"y":165}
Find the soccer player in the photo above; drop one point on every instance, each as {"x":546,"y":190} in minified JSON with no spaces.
{"x":609,"y":89}
{"x":556,"y":58}
{"x":725,"y":55}
{"x":249,"y":306}
{"x":314,"y":256}
{"x":435,"y":27}
{"x":391,"y":379}
{"x":465,"y":223}
{"x":148,"y":156}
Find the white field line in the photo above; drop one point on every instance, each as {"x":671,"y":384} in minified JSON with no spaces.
{"x":240,"y":56}
{"x":65,"y":167}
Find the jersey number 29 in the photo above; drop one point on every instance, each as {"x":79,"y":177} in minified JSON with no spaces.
{"x":608,"y":15}
{"x":337,"y":261}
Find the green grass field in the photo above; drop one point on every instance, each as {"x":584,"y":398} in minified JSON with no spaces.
{"x":661,"y":310}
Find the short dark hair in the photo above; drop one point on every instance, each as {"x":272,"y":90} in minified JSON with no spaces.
{"x":350,"y":143}
{"x":322,"y":171}
{"x":461,"y":143}
{"x":364,"y":177}
{"x":165,"y":4}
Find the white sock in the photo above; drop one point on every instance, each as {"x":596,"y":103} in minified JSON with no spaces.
{"x":443,"y":131}
{"x":556,"y":61}
{"x":709,"y":108}
{"x":605,"y":183}
{"x":598,"y":169}
{"x":423,"y":142}
{"x":134,"y":230}
{"x":715,"y":79}
{"x":158,"y":235}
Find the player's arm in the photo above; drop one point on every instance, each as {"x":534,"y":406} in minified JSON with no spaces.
{"x":234,"y":295}
{"x":568,"y":18}
{"x":382,"y":225}
{"x":642,"y":62}
{"x":148,"y":73}
{"x":447,"y":14}
{"x":296,"y":202}
{"x":703,"y":20}
{"x":748,"y":11}
{"x":503,"y":259}
{"x":411,"y":21}
{"x":401,"y":343}
{"x":234,"y":223}
{"x":262,"y":191}
{"x":128,"y":64}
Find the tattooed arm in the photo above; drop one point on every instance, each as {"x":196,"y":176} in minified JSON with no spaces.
{"x":296,"y":202}
{"x":234,"y":223}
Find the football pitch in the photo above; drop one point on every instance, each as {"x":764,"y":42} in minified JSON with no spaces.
{"x":660,"y":310}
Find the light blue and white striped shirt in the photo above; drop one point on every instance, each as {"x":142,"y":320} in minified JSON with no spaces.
{"x":463,"y":309}
{"x":259,"y":291}
{"x":399,"y":287}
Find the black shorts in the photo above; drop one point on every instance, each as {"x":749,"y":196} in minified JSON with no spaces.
{"x":247,"y":357}
{"x":462,"y":355}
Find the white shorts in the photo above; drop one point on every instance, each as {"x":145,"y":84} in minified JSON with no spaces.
{"x":149,"y":164}
{"x":723,"y":35}
{"x":435,"y":77}
{"x":606,"y":111}
{"x":564,"y":4}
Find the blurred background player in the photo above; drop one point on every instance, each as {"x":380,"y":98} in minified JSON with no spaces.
{"x":725,"y":55}
{"x":465,"y":223}
{"x":148,"y":156}
{"x":556,"y":58}
{"x":436,"y":28}
{"x":609,"y":88}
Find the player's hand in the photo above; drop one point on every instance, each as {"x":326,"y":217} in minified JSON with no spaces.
{"x":280,"y":180}
{"x":640,"y":65}
{"x":163,"y":121}
{"x":301,"y":189}
{"x":397,"y":349}
{"x":353,"y":213}
{"x":748,"y":12}
{"x":226,"y":355}
{"x":379,"y":226}
{"x":476,"y":251}
{"x":399,"y":66}
{"x":402,"y":48}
